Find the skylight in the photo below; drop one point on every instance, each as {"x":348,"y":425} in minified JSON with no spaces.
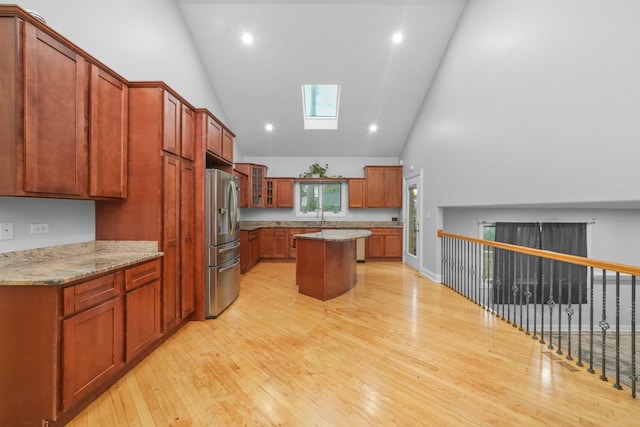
{"x":320,"y":106}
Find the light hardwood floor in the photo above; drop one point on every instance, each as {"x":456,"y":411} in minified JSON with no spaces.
{"x":397,"y":350}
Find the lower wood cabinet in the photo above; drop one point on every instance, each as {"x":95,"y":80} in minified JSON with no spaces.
{"x":384,"y":244}
{"x":143,"y":307}
{"x":278,"y":243}
{"x":249,"y":249}
{"x":69,"y":344}
{"x":92,"y":343}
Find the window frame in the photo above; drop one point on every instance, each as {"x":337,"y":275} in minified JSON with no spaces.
{"x":317,"y":213}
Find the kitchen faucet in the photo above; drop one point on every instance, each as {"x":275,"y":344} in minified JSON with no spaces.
{"x":320,"y":213}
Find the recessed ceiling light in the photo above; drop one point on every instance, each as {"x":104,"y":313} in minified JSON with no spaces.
{"x":397,"y":38}
{"x":269,"y":127}
{"x":247,"y":38}
{"x":373,"y":128}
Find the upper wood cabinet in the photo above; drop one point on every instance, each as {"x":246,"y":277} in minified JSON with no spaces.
{"x":210,"y":132}
{"x":243,"y":180}
{"x":255,"y":183}
{"x":383,"y":186}
{"x":214,"y":137}
{"x":53,"y":96}
{"x":278,"y":192}
{"x":109,"y":97}
{"x":356,"y":192}
{"x":227,"y":145}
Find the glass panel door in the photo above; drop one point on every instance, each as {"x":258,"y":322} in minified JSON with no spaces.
{"x":412,"y":222}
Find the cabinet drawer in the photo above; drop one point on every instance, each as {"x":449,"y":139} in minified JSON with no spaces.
{"x":91,"y":293}
{"x":141,"y":274}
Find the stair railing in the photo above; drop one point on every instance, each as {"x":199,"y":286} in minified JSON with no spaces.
{"x":534,"y":291}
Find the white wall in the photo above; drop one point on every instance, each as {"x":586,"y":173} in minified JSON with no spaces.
{"x":70,"y":221}
{"x":144,"y":40}
{"x":534,"y":103}
{"x":138,"y":39}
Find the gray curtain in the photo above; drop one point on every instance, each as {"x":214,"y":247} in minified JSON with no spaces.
{"x":545,"y":279}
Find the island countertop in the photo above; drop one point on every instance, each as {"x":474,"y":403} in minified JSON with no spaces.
{"x":335,"y":235}
{"x":60,"y":265}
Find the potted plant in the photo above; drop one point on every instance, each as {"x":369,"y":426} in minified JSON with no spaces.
{"x":316,"y":171}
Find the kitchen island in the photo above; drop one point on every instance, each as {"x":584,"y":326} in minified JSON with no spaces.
{"x":326,"y":262}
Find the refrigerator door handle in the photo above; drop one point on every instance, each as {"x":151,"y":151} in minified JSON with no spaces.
{"x":229,"y":267}
{"x":230,"y":248}
{"x":233,"y":207}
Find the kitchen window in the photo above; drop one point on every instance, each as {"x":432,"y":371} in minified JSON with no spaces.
{"x":320,"y":199}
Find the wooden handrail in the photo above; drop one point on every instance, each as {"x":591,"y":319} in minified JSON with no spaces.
{"x":573,"y":259}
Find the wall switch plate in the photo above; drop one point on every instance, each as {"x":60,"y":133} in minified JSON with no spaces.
{"x":6,"y":231}
{"x":40,"y":228}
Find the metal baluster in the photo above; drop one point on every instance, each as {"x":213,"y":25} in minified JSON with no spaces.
{"x":579,"y":363}
{"x":461,"y":268}
{"x":551,"y":303}
{"x":617,"y":384}
{"x":559,"y":351}
{"x":591,"y":320}
{"x":570,"y":312}
{"x":528,"y":291}
{"x":633,"y":377}
{"x":469,"y":271}
{"x":443,"y":259}
{"x":604,"y":325}
{"x":512,"y":258}
{"x":537,"y":287}
{"x":541,"y":285}
{"x":521,"y":256}
{"x":476,"y":273}
{"x":458,"y":259}
{"x":501,"y":295}
{"x":514,"y":287}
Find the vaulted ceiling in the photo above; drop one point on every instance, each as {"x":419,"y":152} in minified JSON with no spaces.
{"x":321,"y":42}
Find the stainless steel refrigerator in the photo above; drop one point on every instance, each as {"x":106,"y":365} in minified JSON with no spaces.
{"x":223,"y":241}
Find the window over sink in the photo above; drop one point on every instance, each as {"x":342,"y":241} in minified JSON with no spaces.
{"x":321,"y":200}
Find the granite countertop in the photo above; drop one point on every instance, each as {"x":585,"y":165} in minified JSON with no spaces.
{"x":59,"y":265}
{"x":335,"y":235}
{"x":254,"y":225}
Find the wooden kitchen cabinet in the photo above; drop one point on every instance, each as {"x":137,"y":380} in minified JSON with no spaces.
{"x":356,"y":192}
{"x":383,"y":186}
{"x":255,"y":183}
{"x":108,"y":134}
{"x":210,"y":131}
{"x":159,"y":206}
{"x":77,"y":341}
{"x":143,"y":307}
{"x":280,"y":243}
{"x":57,"y":100}
{"x":92,"y":346}
{"x":292,"y":241}
{"x":278,"y":192}
{"x":187,"y":240}
{"x":266,"y":242}
{"x":227,"y":145}
{"x":249,"y":249}
{"x":217,"y":139}
{"x":274,"y":243}
{"x":242,"y":184}
{"x":384,"y":244}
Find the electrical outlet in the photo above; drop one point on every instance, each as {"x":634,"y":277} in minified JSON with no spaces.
{"x":40,"y":228}
{"x":6,"y":231}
